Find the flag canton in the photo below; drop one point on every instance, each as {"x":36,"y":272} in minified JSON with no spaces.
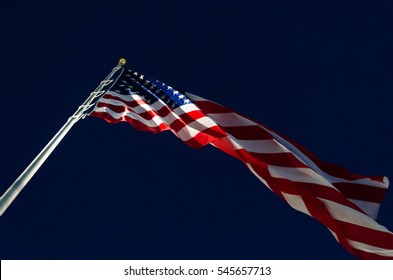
{"x":151,"y":90}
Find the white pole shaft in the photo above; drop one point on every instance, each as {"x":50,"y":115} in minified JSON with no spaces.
{"x":8,"y":197}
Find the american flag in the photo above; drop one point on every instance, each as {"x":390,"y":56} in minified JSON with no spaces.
{"x":346,"y":203}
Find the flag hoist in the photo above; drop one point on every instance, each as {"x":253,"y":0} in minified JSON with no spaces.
{"x":13,"y":191}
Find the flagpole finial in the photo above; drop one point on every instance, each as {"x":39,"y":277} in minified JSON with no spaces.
{"x":122,"y":61}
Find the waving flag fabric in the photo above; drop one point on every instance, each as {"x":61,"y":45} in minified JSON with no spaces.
{"x":346,"y":203}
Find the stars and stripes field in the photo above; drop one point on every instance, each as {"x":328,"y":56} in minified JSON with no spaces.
{"x":346,"y":203}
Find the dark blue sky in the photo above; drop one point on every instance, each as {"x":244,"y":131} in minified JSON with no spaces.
{"x":320,"y":72}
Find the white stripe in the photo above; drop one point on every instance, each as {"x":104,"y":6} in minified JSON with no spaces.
{"x":139,"y":108}
{"x":186,"y":108}
{"x":346,"y":214}
{"x":203,"y":123}
{"x":129,"y":98}
{"x":330,"y":178}
{"x":301,"y":174}
{"x":371,"y":208}
{"x":194,"y":97}
{"x":156,"y":106}
{"x":159,"y":104}
{"x":268,"y":146}
{"x":108,"y":100}
{"x":371,"y":183}
{"x":307,"y":175}
{"x":296,"y":202}
{"x":154,"y":122}
{"x":371,"y":249}
{"x":231,"y":119}
{"x":143,"y":108}
{"x":192,"y":129}
{"x":134,"y":112}
{"x":186,"y":133}
{"x":280,"y":146}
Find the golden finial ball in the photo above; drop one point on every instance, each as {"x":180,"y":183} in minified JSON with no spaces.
{"x":122,"y":61}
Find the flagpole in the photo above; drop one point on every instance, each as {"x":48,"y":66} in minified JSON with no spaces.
{"x":12,"y":192}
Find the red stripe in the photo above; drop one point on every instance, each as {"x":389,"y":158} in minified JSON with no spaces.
{"x":147,"y":115}
{"x":317,"y":209}
{"x":131,"y":104}
{"x":191,"y":115}
{"x":361,"y":192}
{"x":203,"y":138}
{"x":311,"y":194}
{"x":200,"y":140}
{"x":283,"y":159}
{"x":210,"y":107}
{"x":331,"y":169}
{"x":135,"y":123}
{"x":163,"y":112}
{"x":367,"y":235}
{"x":176,"y":125}
{"x":369,"y":256}
{"x":319,"y":191}
{"x":187,"y":117}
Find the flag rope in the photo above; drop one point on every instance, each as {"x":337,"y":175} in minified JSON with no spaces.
{"x":12,"y":192}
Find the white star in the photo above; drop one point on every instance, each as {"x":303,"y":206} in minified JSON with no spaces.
{"x":175,"y":92}
{"x":181,"y":96}
{"x":141,"y":77}
{"x":169,"y":87}
{"x":187,"y":101}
